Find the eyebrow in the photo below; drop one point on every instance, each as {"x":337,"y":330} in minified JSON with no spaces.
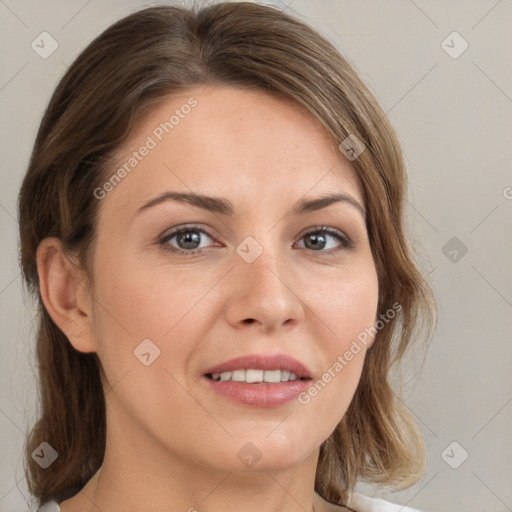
{"x":225,"y":207}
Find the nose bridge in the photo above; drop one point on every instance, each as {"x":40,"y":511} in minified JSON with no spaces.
{"x":262,"y":291}
{"x":262,"y":255}
{"x":266,"y":270}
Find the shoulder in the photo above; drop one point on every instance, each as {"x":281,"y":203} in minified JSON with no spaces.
{"x":361,"y":503}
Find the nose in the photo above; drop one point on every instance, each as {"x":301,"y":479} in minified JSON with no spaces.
{"x":265,"y":295}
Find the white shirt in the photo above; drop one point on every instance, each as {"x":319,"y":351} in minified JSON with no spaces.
{"x":359,"y":502}
{"x":363,"y":503}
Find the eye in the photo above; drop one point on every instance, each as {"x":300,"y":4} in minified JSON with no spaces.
{"x":316,"y":240}
{"x":188,"y":239}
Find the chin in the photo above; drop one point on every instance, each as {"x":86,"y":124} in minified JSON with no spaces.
{"x":264,"y":454}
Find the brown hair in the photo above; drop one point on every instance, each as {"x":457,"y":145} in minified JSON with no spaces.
{"x":127,"y":69}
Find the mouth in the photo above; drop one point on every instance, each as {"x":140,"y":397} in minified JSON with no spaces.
{"x":259,"y":380}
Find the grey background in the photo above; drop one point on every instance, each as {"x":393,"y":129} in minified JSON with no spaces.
{"x":454,"y":119}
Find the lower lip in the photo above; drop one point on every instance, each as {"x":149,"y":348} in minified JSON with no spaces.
{"x":260,"y":394}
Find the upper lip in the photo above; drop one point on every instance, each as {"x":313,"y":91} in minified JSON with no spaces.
{"x":262,"y":362}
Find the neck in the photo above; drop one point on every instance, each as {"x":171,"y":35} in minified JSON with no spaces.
{"x":109,"y":494}
{"x":133,"y":479}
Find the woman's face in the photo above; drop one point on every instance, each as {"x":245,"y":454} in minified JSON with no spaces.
{"x":261,"y":280}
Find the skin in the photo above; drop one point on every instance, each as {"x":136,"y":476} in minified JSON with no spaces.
{"x":171,"y":441}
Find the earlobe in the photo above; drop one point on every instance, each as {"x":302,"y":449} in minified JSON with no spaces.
{"x":62,"y":291}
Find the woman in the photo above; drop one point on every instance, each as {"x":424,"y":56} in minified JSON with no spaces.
{"x":212,"y":221}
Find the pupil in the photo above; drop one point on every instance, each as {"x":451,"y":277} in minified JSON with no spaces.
{"x":189,"y":237}
{"x":315,"y":239}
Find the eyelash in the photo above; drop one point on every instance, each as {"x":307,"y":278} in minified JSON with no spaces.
{"x":345,"y":241}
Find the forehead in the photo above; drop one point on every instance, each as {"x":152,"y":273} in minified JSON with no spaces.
{"x":228,"y":141}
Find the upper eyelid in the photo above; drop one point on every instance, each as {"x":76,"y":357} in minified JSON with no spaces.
{"x":171,"y":231}
{"x":174,"y":231}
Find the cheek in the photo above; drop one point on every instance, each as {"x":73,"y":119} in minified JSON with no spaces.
{"x":346,"y":305}
{"x":140,"y":302}
{"x":144,"y":315}
{"x":141,"y":328}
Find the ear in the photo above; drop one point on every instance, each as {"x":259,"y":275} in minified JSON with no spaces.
{"x":64,"y":294}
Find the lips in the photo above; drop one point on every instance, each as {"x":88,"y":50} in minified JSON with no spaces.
{"x":262,"y":362}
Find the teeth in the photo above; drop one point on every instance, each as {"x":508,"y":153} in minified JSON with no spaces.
{"x":238,"y":375}
{"x":272,"y":376}
{"x":255,"y":376}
